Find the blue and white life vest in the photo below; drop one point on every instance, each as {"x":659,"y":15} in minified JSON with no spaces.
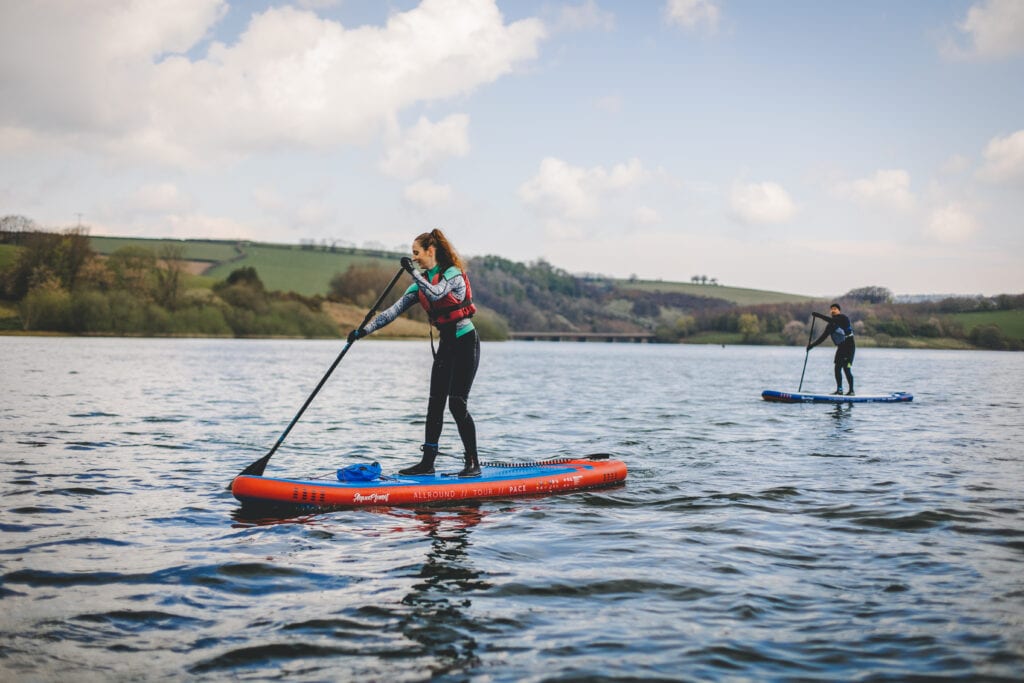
{"x":840,"y":334}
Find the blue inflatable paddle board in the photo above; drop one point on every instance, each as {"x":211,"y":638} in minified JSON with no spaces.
{"x":797,"y":397}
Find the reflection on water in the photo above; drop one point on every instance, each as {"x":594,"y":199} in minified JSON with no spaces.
{"x":841,"y":411}
{"x":752,"y":541}
{"x":434,"y":613}
{"x":439,"y":620}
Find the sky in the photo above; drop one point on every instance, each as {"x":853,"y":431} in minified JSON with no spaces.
{"x":798,"y":146}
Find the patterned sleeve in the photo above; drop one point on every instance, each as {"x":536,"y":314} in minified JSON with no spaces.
{"x":452,"y":283}
{"x":396,"y":309}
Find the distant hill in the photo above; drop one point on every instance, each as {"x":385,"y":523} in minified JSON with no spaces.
{"x":54,"y":282}
{"x":207,"y":251}
{"x":307,"y":270}
{"x":737,"y":295}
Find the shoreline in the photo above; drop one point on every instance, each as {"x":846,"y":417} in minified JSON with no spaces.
{"x":940,"y":344}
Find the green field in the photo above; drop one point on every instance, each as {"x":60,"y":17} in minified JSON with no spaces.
{"x":1010,"y":322}
{"x":8,"y":252}
{"x":194,"y":250}
{"x":307,"y":271}
{"x":291,"y":268}
{"x":737,"y":295}
{"x":283,"y":267}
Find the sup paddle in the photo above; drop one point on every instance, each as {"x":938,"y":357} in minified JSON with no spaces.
{"x":821,"y":316}
{"x":810,"y":336}
{"x":256,"y":468}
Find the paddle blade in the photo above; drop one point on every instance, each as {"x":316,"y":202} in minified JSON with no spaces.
{"x":256,"y":468}
{"x":253,"y":470}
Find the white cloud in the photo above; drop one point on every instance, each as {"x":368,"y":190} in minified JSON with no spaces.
{"x":622,"y":175}
{"x":114,"y":220}
{"x":68,"y":66}
{"x":951,"y":223}
{"x":955,"y":164}
{"x":421,"y":146}
{"x":314,"y":213}
{"x":16,"y":140}
{"x":563,"y":193}
{"x":1004,"y":158}
{"x":994,"y":30}
{"x":202,"y":225}
{"x":691,"y":13}
{"x":645,"y":215}
{"x":887,"y":187}
{"x":317,"y":4}
{"x":584,"y":17}
{"x":313,"y":210}
{"x":427,"y":193}
{"x":159,"y":198}
{"x":761,"y":203}
{"x":268,"y":199}
{"x":291,"y":79}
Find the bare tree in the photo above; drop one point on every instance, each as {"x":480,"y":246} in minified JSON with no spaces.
{"x":14,"y":228}
{"x":168,"y":273}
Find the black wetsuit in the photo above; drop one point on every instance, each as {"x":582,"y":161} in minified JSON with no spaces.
{"x":456,"y":360}
{"x":844,"y":351}
{"x":451,"y":378}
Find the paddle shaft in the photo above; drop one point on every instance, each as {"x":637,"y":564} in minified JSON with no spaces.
{"x":810,"y":336}
{"x":256,"y":468}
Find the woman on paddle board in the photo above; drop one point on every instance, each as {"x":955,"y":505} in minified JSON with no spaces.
{"x":441,"y":286}
{"x":841,"y":332}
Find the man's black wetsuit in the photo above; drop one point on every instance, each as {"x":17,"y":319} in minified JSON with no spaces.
{"x":844,"y":350}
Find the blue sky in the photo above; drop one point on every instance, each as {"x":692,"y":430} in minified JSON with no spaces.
{"x":802,"y":146}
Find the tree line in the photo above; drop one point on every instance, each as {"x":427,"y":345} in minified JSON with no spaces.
{"x":886,"y":323}
{"x":538,"y":297}
{"x":59,"y":284}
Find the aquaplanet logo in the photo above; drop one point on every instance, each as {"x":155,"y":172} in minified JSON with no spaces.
{"x":370,"y":498}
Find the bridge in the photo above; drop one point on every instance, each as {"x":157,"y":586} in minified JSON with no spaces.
{"x":627,"y":337}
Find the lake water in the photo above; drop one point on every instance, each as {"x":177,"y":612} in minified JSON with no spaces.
{"x":752,"y":541}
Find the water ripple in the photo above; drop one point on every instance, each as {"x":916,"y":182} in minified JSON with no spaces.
{"x":751,"y":542}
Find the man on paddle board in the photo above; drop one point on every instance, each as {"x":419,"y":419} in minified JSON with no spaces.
{"x":441,"y":286}
{"x":838,"y":327}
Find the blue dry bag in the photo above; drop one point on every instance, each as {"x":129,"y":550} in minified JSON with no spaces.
{"x":360,"y":472}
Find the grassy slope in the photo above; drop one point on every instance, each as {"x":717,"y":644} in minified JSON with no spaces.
{"x":195,"y":250}
{"x":737,"y":295}
{"x":9,"y":319}
{"x":294,"y":269}
{"x":291,"y":268}
{"x":8,"y":252}
{"x":1010,"y":322}
{"x":284,"y":267}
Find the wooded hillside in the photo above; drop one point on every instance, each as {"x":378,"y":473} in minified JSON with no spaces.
{"x":70,"y":282}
